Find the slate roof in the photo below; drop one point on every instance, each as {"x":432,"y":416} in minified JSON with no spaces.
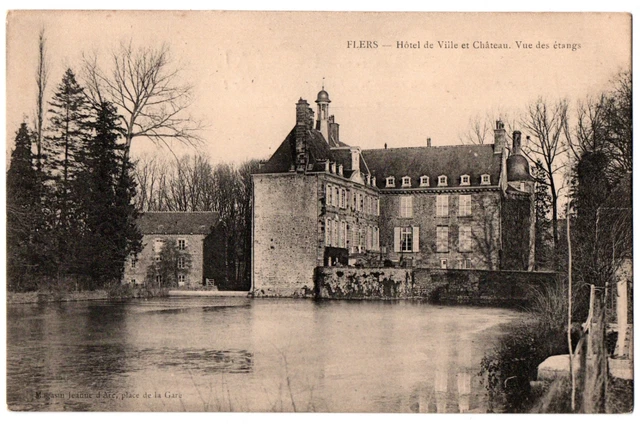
{"x":177,"y":222}
{"x":433,"y":161}
{"x":284,"y":157}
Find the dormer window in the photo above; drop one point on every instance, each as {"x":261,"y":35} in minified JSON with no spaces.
{"x":485,"y":179}
{"x":391,"y":182}
{"x":424,"y":181}
{"x":465,"y":180}
{"x":406,"y":181}
{"x":442,"y":180}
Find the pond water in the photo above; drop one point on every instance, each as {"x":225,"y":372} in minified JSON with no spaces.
{"x":237,"y":354}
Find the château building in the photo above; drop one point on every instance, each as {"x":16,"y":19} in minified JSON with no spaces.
{"x":321,"y":202}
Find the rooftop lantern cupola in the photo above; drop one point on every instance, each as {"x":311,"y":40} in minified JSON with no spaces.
{"x":322,"y":124}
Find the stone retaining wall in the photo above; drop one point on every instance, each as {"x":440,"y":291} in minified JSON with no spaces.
{"x":474,"y":287}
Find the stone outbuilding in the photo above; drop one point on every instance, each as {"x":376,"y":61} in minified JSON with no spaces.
{"x":192,"y":235}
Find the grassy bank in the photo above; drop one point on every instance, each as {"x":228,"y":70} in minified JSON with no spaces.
{"x":512,"y":365}
{"x":111,"y":293}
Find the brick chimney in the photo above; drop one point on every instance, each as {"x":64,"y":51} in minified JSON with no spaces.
{"x":500,"y":138}
{"x":429,"y":142}
{"x":301,"y":133}
{"x":517,"y":138}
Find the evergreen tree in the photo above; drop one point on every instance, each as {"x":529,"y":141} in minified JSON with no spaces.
{"x":106,"y":208}
{"x":66,"y":138}
{"x":22,"y":189}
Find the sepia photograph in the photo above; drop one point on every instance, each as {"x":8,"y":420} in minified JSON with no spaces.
{"x":351,"y":212}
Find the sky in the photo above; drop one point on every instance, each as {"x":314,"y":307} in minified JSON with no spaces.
{"x":250,"y":68}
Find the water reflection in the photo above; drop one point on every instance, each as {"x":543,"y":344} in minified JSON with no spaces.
{"x":252,"y":355}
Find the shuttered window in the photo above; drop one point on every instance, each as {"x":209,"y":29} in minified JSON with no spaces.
{"x":464,"y":206}
{"x":442,"y":205}
{"x":464,"y":239}
{"x":406,"y":206}
{"x":406,"y":239}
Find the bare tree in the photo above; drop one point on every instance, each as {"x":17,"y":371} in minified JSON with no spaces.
{"x":485,"y":231}
{"x":480,"y":129}
{"x":42,"y":75}
{"x":145,"y":86}
{"x":479,"y":132}
{"x":150,"y":174}
{"x":547,"y":144}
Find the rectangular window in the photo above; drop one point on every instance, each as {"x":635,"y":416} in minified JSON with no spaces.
{"x":443,"y":263}
{"x":442,"y":205}
{"x":133,"y":262}
{"x":465,"y":263}
{"x":334,"y":233}
{"x":464,"y":239}
{"x":376,"y":239}
{"x":181,"y":263}
{"x":464,"y":207}
{"x":354,"y":238}
{"x":132,"y":281}
{"x":361,"y":203}
{"x":329,"y":201}
{"x":158,"y":279}
{"x":181,"y":279}
{"x":406,"y":239}
{"x":377,"y":206}
{"x":327,"y":232}
{"x":156,"y":258}
{"x":406,"y":206}
{"x":157,"y":245}
{"x":182,"y":244}
{"x":442,"y":239}
{"x":343,"y":198}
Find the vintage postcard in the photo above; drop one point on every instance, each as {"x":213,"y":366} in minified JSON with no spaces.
{"x":319,"y":212}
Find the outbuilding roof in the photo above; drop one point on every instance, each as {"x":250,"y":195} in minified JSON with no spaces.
{"x":177,"y":222}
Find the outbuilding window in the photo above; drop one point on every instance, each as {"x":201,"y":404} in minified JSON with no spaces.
{"x":442,"y":180}
{"x":406,"y":181}
{"x":485,"y":179}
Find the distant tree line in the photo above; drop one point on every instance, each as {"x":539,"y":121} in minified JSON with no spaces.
{"x":192,"y":183}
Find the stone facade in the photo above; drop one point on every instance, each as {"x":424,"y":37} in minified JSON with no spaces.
{"x":135,"y":271}
{"x":478,"y":221}
{"x":320,"y":202}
